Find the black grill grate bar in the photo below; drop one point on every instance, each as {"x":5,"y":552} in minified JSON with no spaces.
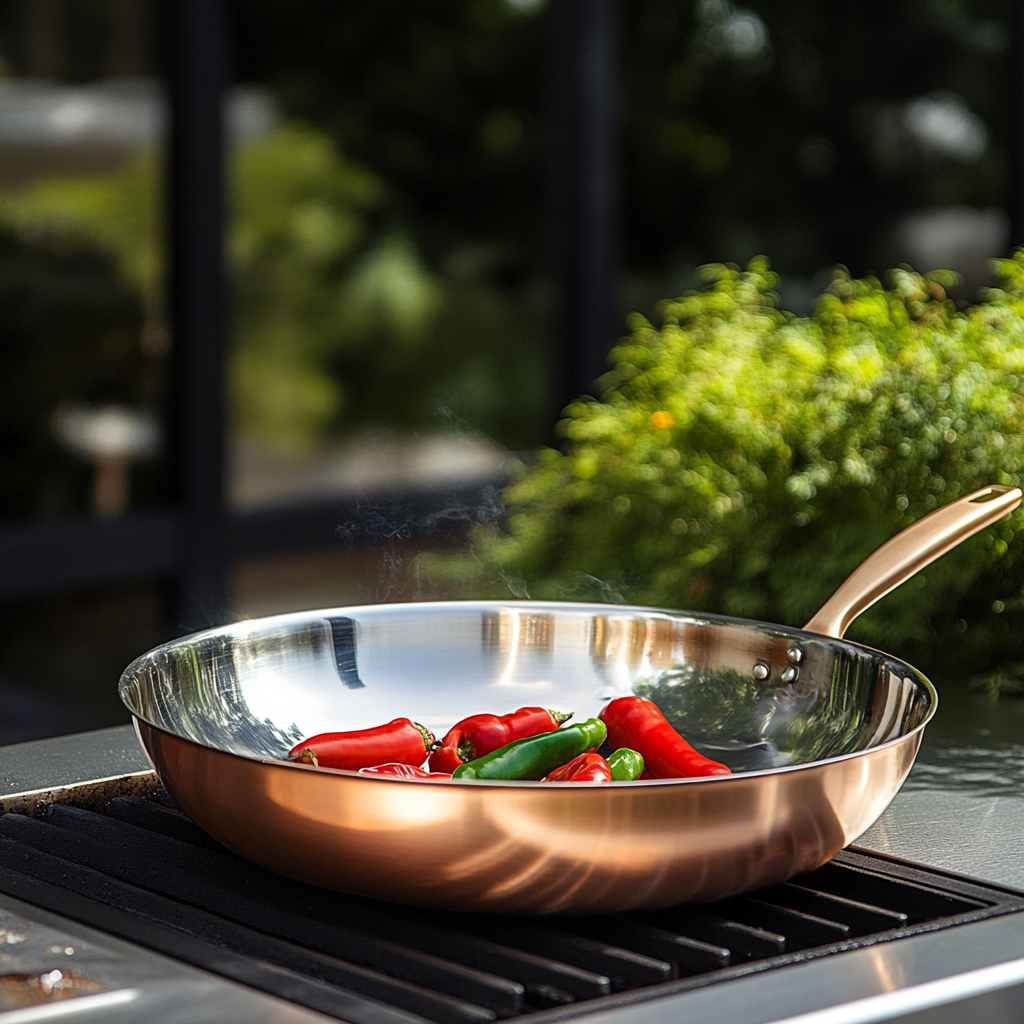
{"x":133,"y":838}
{"x":532,"y":970}
{"x":135,"y":841}
{"x":203,"y":925}
{"x":687,"y":955}
{"x":271,"y":978}
{"x":878,"y":864}
{"x":918,"y":902}
{"x":161,"y":820}
{"x":861,"y":918}
{"x":802,"y":930}
{"x":546,"y":980}
{"x":207,"y":927}
{"x":499,"y":994}
{"x":747,"y":942}
{"x":603,"y":967}
{"x":626,"y":968}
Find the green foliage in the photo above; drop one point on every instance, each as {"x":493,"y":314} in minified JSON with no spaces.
{"x":745,"y":461}
{"x":299,"y":213}
{"x":336,"y":318}
{"x":741,"y":123}
{"x":445,"y":100}
{"x":299,"y":223}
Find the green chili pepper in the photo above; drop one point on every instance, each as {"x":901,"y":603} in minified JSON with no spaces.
{"x":534,"y":756}
{"x":626,"y":765}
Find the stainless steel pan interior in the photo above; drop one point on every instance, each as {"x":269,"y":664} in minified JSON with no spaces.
{"x":820,"y":732}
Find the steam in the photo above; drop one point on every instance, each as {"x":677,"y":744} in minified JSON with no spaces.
{"x":606,"y":591}
{"x":516,"y":585}
{"x":381,"y":523}
{"x":388,"y":526}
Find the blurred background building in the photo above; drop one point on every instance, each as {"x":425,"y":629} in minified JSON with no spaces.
{"x":436,"y":214}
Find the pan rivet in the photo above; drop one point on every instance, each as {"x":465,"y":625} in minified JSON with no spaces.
{"x":795,"y":655}
{"x":789,"y":674}
{"x":761,"y":672}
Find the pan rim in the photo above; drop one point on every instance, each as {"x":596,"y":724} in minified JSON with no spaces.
{"x":127,"y":678}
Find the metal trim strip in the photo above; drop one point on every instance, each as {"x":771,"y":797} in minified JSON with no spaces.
{"x":918,"y":997}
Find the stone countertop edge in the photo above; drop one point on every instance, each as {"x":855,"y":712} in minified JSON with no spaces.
{"x":980,"y":837}
{"x":70,"y":760}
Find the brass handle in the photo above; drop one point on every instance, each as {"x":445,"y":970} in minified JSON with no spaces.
{"x":910,"y":551}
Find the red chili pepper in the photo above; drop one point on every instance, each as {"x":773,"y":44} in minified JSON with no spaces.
{"x":405,"y":771}
{"x":445,"y":759}
{"x":639,"y":724}
{"x":400,"y":741}
{"x":585,"y":768}
{"x":479,"y":735}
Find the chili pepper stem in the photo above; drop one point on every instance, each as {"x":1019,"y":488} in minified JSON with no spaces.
{"x":561,"y":717}
{"x":306,"y":754}
{"x":428,"y":737}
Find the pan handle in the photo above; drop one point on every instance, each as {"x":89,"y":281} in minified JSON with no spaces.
{"x":910,"y":551}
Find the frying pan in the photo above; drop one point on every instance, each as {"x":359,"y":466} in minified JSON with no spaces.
{"x":820,"y":732}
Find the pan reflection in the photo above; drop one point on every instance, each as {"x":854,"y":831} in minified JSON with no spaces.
{"x":343,"y":636}
{"x":524,"y":641}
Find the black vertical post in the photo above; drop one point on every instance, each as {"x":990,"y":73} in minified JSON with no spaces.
{"x":197,"y":60}
{"x":1015,"y":93}
{"x":584,"y":83}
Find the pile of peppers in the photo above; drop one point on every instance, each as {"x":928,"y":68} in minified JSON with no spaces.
{"x":528,"y":744}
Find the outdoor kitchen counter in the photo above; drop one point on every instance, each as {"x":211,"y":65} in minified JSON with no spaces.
{"x":70,"y":760}
{"x":978,"y":836}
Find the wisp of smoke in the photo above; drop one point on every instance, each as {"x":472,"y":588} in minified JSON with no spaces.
{"x":439,"y":515}
{"x":607,"y":592}
{"x":385,"y":525}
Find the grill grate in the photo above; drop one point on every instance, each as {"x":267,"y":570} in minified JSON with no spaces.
{"x":148,"y":874}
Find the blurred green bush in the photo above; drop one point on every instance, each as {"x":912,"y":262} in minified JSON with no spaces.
{"x":743,"y":460}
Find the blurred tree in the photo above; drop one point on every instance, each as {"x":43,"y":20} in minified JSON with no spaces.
{"x":791,"y":127}
{"x":444,"y":99}
{"x":336,"y":319}
{"x":416,"y":287}
{"x":805,"y":129}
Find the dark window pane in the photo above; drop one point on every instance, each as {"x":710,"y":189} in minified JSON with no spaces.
{"x":83,"y":340}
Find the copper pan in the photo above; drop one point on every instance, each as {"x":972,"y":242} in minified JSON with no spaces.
{"x":820,"y":732}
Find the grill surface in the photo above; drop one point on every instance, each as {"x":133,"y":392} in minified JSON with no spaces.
{"x":146,"y":873}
